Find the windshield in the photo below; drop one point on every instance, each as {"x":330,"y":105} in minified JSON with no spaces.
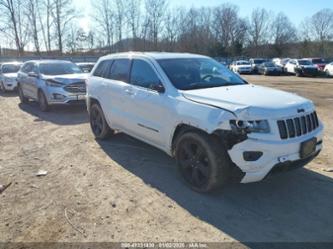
{"x":86,"y":68}
{"x":304,"y":62}
{"x":197,"y":73}
{"x":258,"y":61}
{"x":10,"y":68}
{"x":269,"y":64}
{"x":243,"y":63}
{"x":59,"y":68}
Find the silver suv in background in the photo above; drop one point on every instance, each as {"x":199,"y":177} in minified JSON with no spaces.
{"x":8,"y":76}
{"x":51,"y":82}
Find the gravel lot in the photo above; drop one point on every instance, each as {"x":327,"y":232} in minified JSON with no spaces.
{"x":124,"y":190}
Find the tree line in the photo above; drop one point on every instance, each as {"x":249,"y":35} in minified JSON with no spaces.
{"x":51,"y":26}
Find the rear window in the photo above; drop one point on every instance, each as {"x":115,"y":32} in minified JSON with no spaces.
{"x":10,"y":68}
{"x":59,"y":68}
{"x":120,"y":70}
{"x":304,"y":62}
{"x":102,"y":69}
{"x":318,"y":61}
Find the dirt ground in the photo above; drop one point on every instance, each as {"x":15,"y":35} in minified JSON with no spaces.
{"x":125,"y":190}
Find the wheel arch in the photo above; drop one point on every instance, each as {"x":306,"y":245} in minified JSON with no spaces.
{"x":183,"y":128}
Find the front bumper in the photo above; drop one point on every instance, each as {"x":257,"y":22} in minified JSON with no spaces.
{"x":58,"y":96}
{"x":10,"y":85}
{"x":274,"y":154}
{"x":244,"y":71}
{"x":310,"y":72}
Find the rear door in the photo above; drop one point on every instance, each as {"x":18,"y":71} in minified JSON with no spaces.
{"x":116,"y":95}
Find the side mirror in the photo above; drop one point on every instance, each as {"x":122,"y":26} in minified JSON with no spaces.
{"x":33,"y":74}
{"x":158,"y":88}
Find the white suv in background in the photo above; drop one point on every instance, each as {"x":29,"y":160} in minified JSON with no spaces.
{"x":8,"y":76}
{"x":329,"y":69}
{"x":216,"y":125}
{"x":241,"y":67}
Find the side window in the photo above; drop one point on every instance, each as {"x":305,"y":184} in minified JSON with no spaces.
{"x":103,"y":68}
{"x":30,"y":67}
{"x":27,"y":68}
{"x":143,"y":75}
{"x":119,"y":70}
{"x":35,"y":68}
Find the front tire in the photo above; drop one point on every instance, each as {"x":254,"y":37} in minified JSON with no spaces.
{"x":2,"y":87}
{"x":98,"y":123}
{"x":23,"y":99}
{"x":42,"y":101}
{"x":202,"y":161}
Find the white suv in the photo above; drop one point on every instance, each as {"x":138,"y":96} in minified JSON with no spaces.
{"x":216,"y":125}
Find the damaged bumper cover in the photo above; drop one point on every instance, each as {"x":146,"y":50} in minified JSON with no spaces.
{"x":269,"y":155}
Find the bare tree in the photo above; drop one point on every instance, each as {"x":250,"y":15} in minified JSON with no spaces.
{"x":134,"y":16}
{"x":155,"y":13}
{"x":173,"y":20}
{"x":32,"y":14}
{"x":119,"y":20}
{"x":258,"y":28}
{"x":283,"y":32}
{"x":44,"y":12}
{"x":14,"y":22}
{"x":321,"y":27}
{"x":104,"y":17}
{"x":229,"y":28}
{"x":63,"y":14}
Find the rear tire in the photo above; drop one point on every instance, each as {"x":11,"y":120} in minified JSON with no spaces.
{"x":203,"y":161}
{"x":42,"y":101}
{"x":23,"y":99}
{"x":98,"y":123}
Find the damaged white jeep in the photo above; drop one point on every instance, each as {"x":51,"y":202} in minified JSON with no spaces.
{"x":217,"y":126}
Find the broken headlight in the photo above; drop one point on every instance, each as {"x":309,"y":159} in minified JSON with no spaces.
{"x":256,"y":126}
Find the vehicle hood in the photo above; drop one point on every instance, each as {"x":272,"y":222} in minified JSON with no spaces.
{"x":67,"y":78}
{"x":273,"y":68}
{"x":251,"y":101}
{"x":10,"y":75}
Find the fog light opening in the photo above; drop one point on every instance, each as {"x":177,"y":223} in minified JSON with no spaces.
{"x":58,"y":96}
{"x":251,"y":156}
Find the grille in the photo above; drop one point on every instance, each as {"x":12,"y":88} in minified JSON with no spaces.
{"x":299,"y":126}
{"x":79,"y":87}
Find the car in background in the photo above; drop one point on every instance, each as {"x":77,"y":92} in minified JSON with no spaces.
{"x":255,"y":62}
{"x":51,"y":82}
{"x":86,"y":67}
{"x":301,"y":67}
{"x":281,"y":62}
{"x":241,"y":67}
{"x":269,"y":68}
{"x":329,"y":69}
{"x":8,"y":76}
{"x":319,"y":62}
{"x":217,"y":126}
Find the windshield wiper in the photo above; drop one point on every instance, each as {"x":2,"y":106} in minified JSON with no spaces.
{"x":200,"y":85}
